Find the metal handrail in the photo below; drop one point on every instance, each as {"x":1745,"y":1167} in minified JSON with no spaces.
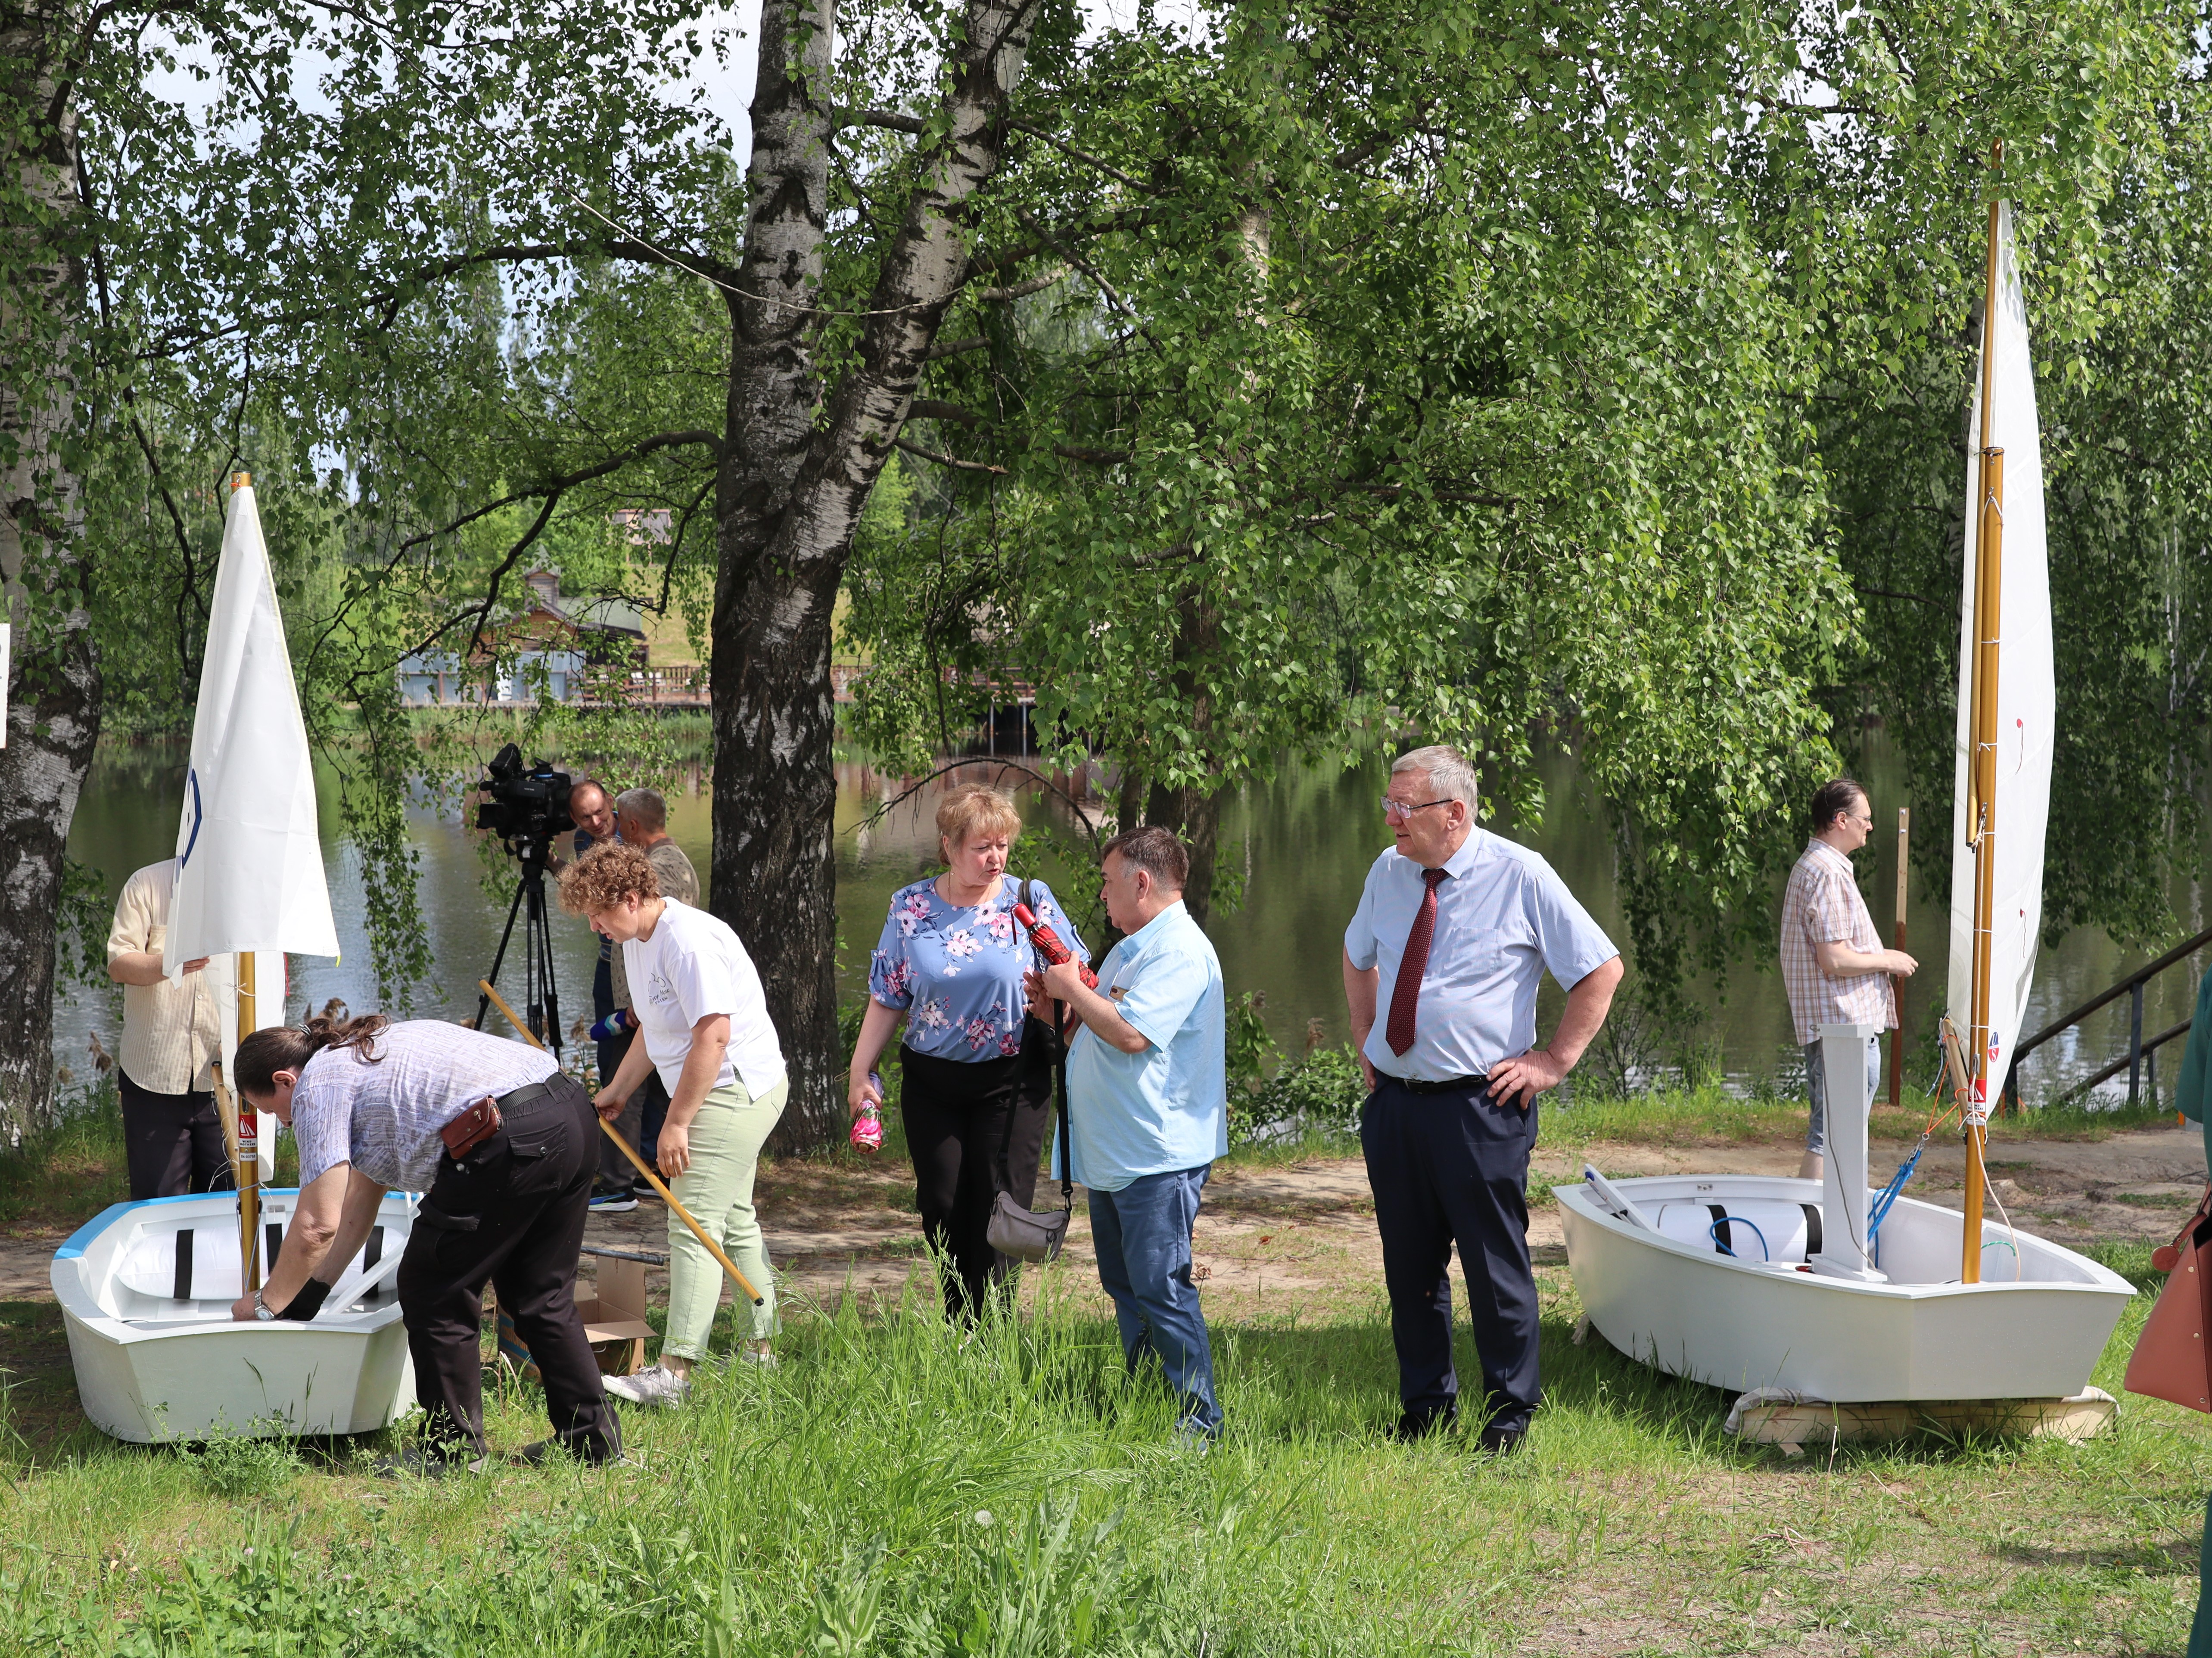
{"x":2180,"y":952}
{"x":2150,"y":1046}
{"x":2138,"y":1049}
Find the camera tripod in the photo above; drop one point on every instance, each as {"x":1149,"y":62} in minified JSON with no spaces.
{"x":541,"y":1004}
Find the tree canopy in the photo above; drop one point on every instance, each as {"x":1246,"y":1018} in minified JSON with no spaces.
{"x":1247,"y":383}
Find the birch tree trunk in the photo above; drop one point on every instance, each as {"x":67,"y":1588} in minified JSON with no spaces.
{"x":53,"y":690}
{"x":794,"y":481}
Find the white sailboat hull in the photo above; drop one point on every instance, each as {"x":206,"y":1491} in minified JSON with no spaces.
{"x":154,"y":1365}
{"x":1741,"y":1323}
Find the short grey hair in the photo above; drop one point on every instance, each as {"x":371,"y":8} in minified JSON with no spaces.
{"x":1450,"y":777}
{"x":643,"y":807}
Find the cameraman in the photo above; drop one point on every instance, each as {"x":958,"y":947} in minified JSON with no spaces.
{"x":593,"y":810}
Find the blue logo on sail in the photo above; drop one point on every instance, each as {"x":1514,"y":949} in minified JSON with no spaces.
{"x":200,"y":816}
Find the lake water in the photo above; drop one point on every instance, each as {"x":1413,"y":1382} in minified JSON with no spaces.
{"x":1302,"y":844}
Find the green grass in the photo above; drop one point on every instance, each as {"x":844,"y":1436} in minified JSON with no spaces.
{"x":892,"y":1490}
{"x":64,"y":1174}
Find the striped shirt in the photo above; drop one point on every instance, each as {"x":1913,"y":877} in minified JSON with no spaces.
{"x":1821,"y":905}
{"x":384,"y":1117}
{"x":171,"y":1030}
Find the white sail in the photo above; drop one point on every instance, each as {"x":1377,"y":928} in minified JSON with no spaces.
{"x":2026,"y":698}
{"x":251,"y":871}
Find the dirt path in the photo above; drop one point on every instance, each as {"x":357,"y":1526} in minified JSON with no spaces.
{"x":1289,"y":1242}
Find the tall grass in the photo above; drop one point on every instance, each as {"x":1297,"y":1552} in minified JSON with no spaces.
{"x":899,"y":1488}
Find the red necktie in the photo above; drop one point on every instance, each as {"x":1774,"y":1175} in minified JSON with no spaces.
{"x":1406,"y":995}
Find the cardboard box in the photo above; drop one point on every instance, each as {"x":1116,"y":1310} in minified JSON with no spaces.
{"x":614,"y":1320}
{"x":614,"y":1323}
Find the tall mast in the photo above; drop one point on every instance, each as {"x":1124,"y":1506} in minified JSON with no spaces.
{"x":249,"y":1120}
{"x":1982,"y":765}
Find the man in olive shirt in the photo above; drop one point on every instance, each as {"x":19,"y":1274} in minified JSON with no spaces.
{"x":171,"y":1037}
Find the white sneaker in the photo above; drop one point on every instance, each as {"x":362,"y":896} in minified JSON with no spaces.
{"x":656,"y":1384}
{"x":743,"y":1355}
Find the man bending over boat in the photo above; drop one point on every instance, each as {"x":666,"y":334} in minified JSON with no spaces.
{"x":1833,"y":965}
{"x":376,"y":1107}
{"x":1454,"y":932}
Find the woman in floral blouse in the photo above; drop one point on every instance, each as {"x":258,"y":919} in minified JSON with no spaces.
{"x":978,"y":1071}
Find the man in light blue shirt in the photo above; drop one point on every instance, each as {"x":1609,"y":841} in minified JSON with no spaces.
{"x":1148,"y":1108}
{"x":1454,"y":932}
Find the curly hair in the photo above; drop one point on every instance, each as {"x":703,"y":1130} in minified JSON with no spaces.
{"x":262,"y":1054}
{"x":606,"y":875}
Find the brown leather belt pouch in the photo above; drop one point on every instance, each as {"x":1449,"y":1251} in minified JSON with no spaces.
{"x":471,"y":1128}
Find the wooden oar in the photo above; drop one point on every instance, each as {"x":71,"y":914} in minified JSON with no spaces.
{"x":667,"y":1197}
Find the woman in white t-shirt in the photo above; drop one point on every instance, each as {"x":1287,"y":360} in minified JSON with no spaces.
{"x":703,"y":1026}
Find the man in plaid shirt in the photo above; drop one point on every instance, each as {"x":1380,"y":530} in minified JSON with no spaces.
{"x":1833,"y":965}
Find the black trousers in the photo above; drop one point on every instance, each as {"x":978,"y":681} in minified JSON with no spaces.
{"x":171,"y":1143}
{"x":974,"y":1129}
{"x":510,"y":1213}
{"x":1445,"y":1169}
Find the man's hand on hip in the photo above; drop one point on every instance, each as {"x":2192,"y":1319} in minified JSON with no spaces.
{"x":1528,"y":1075}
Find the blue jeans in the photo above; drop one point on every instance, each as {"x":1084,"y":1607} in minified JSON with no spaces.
{"x":1816,"y":1085}
{"x":1142,"y":1233}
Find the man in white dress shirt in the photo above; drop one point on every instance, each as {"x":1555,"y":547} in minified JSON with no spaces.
{"x":1454,"y":932}
{"x":172,"y":1136}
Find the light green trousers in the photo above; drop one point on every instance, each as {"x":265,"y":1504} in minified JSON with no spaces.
{"x":717,"y":1189}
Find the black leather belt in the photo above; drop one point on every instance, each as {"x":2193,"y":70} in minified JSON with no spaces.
{"x":526,"y":1099}
{"x":1449,"y":1086}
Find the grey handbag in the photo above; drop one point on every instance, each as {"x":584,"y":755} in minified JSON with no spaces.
{"x":1024,"y":1233}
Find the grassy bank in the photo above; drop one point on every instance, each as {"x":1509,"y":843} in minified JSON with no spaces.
{"x":64,"y":1174}
{"x":894,"y":1490}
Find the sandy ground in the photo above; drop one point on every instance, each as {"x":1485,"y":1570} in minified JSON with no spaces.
{"x":1289,"y":1242}
{"x":1295,"y":1241}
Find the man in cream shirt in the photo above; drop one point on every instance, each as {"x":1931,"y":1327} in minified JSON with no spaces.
{"x":171,"y":1037}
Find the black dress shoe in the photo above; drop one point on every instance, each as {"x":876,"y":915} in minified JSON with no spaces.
{"x":1502,"y":1442}
{"x":1411,"y":1427}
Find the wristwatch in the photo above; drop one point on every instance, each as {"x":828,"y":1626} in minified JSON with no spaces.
{"x":261,"y":1309}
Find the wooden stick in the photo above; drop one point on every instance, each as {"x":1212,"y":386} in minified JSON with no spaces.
{"x":667,"y":1197}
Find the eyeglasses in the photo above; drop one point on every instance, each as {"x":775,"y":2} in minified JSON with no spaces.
{"x":1401,"y":810}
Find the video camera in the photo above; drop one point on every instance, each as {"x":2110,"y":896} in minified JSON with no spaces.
{"x":526,"y":806}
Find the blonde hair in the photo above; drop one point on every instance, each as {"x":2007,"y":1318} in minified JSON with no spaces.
{"x":973,"y":809}
{"x":605,"y":875}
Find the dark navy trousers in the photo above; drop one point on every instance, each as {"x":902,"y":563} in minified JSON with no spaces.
{"x":1453,"y":1168}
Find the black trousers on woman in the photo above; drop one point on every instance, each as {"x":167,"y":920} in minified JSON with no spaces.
{"x":511,"y":1213}
{"x":975,"y":1128}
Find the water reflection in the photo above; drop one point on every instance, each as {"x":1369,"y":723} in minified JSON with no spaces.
{"x":1301,"y":845}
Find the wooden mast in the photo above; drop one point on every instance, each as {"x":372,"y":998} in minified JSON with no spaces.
{"x":249,"y":1141}
{"x":248,"y":1168}
{"x":1982,"y":765}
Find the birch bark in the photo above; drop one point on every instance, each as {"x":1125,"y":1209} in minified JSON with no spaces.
{"x":800,"y":465}
{"x":53,"y":691}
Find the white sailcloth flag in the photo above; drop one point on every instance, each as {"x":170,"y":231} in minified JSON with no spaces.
{"x":250,"y":859}
{"x":2026,"y":697}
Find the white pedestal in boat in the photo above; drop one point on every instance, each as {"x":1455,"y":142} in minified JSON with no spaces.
{"x":146,"y":1291}
{"x":1740,"y":1320}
